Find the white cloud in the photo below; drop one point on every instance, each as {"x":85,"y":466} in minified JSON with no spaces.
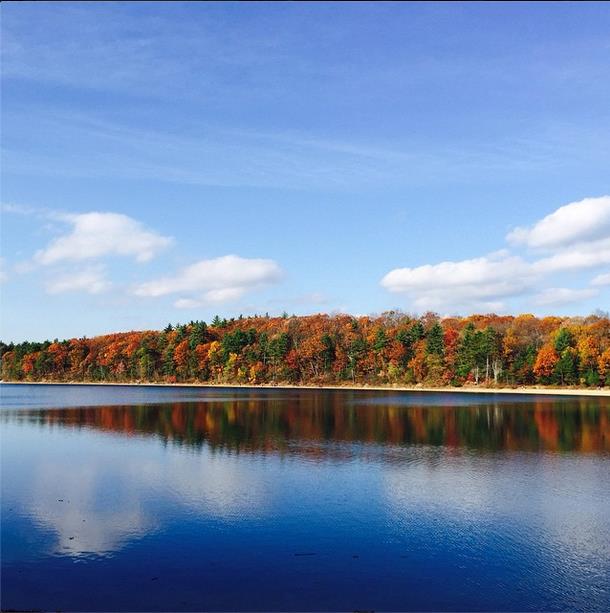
{"x":603,"y":279}
{"x":96,"y":235}
{"x":577,"y":257}
{"x":92,"y":281}
{"x":214,"y":281}
{"x":575,"y":237}
{"x":214,"y":296}
{"x":577,"y":222}
{"x":226,"y":294}
{"x":563,"y":295}
{"x":187,"y":303}
{"x":474,"y":283}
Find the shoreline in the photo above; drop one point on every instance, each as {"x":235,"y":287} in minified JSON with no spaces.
{"x":599,"y":392}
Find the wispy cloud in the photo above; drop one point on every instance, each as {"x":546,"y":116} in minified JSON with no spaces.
{"x":20,"y":209}
{"x":3,"y":272}
{"x":603,"y":279}
{"x":90,"y":280}
{"x":209,"y":75}
{"x":88,"y":145}
{"x":554,"y":296}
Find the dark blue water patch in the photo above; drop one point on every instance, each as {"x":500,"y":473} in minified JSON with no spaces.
{"x":439,"y":565}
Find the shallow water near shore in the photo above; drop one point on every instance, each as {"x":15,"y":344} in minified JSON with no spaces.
{"x":148,"y":498}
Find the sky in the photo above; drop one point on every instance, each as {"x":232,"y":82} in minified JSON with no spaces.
{"x":165,"y":162}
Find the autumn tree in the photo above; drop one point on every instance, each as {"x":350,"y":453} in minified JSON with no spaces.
{"x":545,"y":363}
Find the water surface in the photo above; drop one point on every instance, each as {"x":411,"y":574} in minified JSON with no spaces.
{"x":147,"y":498}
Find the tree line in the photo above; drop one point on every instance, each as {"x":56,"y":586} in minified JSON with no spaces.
{"x":392,"y":349}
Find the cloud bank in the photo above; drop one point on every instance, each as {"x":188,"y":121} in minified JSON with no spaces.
{"x":478,"y":281}
{"x":575,"y":237}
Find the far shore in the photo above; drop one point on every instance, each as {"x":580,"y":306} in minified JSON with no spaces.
{"x":571,"y":391}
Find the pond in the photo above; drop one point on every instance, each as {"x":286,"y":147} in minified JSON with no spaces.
{"x":118,"y":498}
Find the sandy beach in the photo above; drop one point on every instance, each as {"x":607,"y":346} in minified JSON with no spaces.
{"x":572,"y":391}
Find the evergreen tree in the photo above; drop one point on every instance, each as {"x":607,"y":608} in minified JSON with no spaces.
{"x":405,"y":338}
{"x":328,"y":353}
{"x":566,"y":369}
{"x":356,"y":350}
{"x":198,"y":334}
{"x":168,"y":368}
{"x":563,"y":340}
{"x":435,"y":344}
{"x":279,"y":346}
{"x":466,"y":351}
{"x":381,"y":340}
{"x":417,"y":332}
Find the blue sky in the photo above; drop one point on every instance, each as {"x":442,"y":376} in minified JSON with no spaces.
{"x":164,"y":162}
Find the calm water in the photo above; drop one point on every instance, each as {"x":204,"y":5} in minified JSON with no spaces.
{"x":142,"y":498}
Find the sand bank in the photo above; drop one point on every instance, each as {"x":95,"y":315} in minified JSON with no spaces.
{"x":566,"y":391}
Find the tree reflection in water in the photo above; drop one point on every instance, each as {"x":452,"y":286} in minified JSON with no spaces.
{"x":309,"y":422}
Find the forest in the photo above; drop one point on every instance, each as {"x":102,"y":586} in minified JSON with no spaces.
{"x":393,"y":349}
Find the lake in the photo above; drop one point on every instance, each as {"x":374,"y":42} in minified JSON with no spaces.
{"x":141,"y":498}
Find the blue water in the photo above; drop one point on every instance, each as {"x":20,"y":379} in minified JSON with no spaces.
{"x":144,"y":498}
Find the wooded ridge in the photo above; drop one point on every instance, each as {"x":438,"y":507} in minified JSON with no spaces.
{"x":389,"y":349}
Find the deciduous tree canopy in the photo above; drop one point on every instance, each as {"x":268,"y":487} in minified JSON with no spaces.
{"x":392,"y":348}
